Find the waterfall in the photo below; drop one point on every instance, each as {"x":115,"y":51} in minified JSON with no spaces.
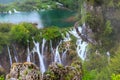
{"x":81,"y":45}
{"x":64,"y":57}
{"x":9,"y":55}
{"x":108,"y":55}
{"x":15,"y":54}
{"x":57,"y":58}
{"x":51,"y":47}
{"x":37,"y":49}
{"x":15,"y":11}
{"x":81,"y":48}
{"x":28,"y":56}
{"x":67,"y":37}
{"x":43,"y":45}
{"x":10,"y":12}
{"x":52,"y":51}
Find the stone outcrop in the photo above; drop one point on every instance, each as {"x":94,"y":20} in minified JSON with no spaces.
{"x":24,"y":71}
{"x":29,"y":71}
{"x":59,"y":72}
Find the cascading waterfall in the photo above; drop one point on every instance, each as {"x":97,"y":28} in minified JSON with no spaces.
{"x":81,"y":49}
{"x":66,"y":38}
{"x":55,"y":55}
{"x":37,"y":49}
{"x":57,"y":58}
{"x":9,"y":55}
{"x":81,"y":45}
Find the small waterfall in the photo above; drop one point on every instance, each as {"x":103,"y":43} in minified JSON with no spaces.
{"x":64,"y":57}
{"x":52,"y":52}
{"x":51,"y":47}
{"x":10,"y":12}
{"x":81,"y":45}
{"x":37,"y":49}
{"x":28,"y":56}
{"x":81,"y":49}
{"x":10,"y":57}
{"x":57,"y":58}
{"x":108,"y":55}
{"x":15,"y":11}
{"x":15,"y":54}
{"x":43,"y":45}
{"x":67,"y":37}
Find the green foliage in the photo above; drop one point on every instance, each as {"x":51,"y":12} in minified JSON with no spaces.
{"x":22,"y":32}
{"x":5,"y":27}
{"x":115,"y":77}
{"x":115,"y":62}
{"x":104,"y":74}
{"x":96,"y":61}
{"x":4,"y":34}
{"x":71,"y":4}
{"x":4,"y":39}
{"x":96,"y":2}
{"x":108,"y":29}
{"x":102,"y":31}
{"x":2,"y":77}
{"x":89,"y":75}
{"x":51,"y":33}
{"x":27,"y":5}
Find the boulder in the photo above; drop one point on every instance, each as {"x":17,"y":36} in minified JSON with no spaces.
{"x":60,"y":72}
{"x":24,"y":71}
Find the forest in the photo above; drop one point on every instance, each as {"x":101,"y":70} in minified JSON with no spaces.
{"x":98,"y":21}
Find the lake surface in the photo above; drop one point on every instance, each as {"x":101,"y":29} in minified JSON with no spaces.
{"x":44,"y":18}
{"x":7,"y":1}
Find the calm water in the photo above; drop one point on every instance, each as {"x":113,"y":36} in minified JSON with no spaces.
{"x":44,"y":18}
{"x":7,"y":1}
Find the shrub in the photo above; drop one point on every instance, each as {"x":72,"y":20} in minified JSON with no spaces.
{"x":115,"y":77}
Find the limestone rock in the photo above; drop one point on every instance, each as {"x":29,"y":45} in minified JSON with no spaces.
{"x":24,"y":71}
{"x":60,"y":72}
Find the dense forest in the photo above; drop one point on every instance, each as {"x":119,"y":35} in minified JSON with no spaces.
{"x":99,"y":20}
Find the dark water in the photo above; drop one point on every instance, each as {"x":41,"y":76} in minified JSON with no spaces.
{"x":44,"y":18}
{"x":57,"y":17}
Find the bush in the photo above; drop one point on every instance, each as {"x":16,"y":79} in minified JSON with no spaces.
{"x":2,"y":77}
{"x":115,"y":77}
{"x":22,"y":32}
{"x":51,"y":33}
{"x":115,"y":62}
